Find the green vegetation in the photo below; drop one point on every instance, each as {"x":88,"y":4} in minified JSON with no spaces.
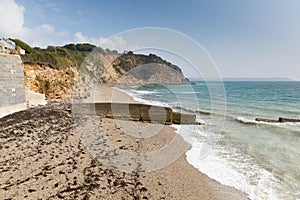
{"x":47,"y":85}
{"x":72,"y":55}
{"x":117,"y":68}
{"x":80,"y":47}
{"x":129,"y":60}
{"x":58,"y":57}
{"x":23,"y":45}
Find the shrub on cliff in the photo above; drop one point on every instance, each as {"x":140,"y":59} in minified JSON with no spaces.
{"x":23,"y":45}
{"x":80,"y":47}
{"x":58,"y":57}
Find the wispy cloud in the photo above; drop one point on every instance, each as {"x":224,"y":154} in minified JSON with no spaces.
{"x":12,"y":24}
{"x":54,"y":5}
{"x":114,"y":43}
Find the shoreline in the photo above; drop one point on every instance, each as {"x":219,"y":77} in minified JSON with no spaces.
{"x":178,"y":180}
{"x":44,"y":157}
{"x":194,"y":177}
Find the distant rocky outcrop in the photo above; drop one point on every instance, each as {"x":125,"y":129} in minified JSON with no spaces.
{"x":125,"y":70}
{"x":139,"y":69}
{"x":59,"y":72}
{"x":152,"y":74}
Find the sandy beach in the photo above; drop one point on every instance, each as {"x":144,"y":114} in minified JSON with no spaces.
{"x":43,"y":157}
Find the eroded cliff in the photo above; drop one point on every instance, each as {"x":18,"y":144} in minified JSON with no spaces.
{"x":60,"y":72}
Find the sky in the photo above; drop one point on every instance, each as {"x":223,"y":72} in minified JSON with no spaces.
{"x":244,"y":38}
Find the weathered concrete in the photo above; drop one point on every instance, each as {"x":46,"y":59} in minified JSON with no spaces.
{"x":12,"y":89}
{"x":135,"y":112}
{"x":266,"y":120}
{"x":7,"y":110}
{"x":280,"y":120}
{"x":181,"y":118}
{"x":34,"y":98}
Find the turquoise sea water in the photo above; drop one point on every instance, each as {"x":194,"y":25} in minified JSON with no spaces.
{"x":261,"y":159}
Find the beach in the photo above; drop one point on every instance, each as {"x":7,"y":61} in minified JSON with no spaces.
{"x":43,"y":157}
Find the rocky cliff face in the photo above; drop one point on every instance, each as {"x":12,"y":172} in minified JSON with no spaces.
{"x":54,"y":83}
{"x":99,"y":68}
{"x":136,"y":69}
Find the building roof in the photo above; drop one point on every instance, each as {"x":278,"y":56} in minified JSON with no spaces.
{"x":8,"y":43}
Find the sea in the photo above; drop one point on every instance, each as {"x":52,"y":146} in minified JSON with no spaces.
{"x":261,"y":159}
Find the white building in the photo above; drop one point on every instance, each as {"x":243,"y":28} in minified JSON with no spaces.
{"x":9,"y":47}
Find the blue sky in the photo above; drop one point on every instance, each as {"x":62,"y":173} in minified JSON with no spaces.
{"x":245,"y":38}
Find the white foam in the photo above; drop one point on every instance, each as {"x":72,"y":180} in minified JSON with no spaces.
{"x":233,"y":169}
{"x":246,"y":120}
{"x":288,"y":125}
{"x":199,"y":120}
{"x":150,"y":102}
{"x":137,"y":98}
{"x":223,"y":163}
{"x":142,"y":92}
{"x":227,"y":165}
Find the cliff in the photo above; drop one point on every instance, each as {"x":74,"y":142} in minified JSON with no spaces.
{"x":151,"y":70}
{"x":54,"y":83}
{"x":56,"y":71}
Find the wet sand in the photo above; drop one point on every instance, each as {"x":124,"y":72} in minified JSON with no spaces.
{"x":43,"y":157}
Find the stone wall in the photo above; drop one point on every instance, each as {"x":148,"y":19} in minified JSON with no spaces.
{"x":12,"y":89}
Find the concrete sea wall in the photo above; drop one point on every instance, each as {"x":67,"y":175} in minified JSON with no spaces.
{"x":135,"y":112}
{"x":12,"y":89}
